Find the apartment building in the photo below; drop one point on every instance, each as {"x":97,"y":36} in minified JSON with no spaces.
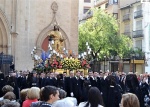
{"x":84,"y":6}
{"x":133,"y":17}
{"x":134,"y":22}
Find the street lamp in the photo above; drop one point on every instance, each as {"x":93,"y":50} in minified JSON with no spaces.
{"x":104,"y":62}
{"x":133,"y":65}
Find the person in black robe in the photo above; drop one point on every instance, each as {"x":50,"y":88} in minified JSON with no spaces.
{"x":132,"y":86}
{"x":112,"y":94}
{"x":85,"y":89}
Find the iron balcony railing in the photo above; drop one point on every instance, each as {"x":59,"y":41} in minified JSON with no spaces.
{"x":126,"y":17}
{"x":138,"y":33}
{"x":127,"y":33}
{"x":138,"y":14}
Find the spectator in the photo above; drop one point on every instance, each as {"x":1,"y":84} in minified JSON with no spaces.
{"x":4,"y":101}
{"x":23,"y":95}
{"x":11,"y":104}
{"x":129,"y":100}
{"x":5,"y":89}
{"x":33,"y":95}
{"x":64,"y":102}
{"x":50,"y":95}
{"x":94,"y":98}
{"x":38,"y":103}
{"x":10,"y":96}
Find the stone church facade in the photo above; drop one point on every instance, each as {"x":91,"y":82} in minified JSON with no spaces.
{"x":26,"y":23}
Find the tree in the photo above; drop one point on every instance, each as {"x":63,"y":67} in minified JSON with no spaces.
{"x":101,"y":32}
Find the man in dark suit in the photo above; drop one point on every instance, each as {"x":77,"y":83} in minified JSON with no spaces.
{"x":91,"y":78}
{"x":67,"y":81}
{"x":22,"y":80}
{"x":55,"y":79}
{"x":35,"y":80}
{"x":97,"y":80}
{"x":75,"y":86}
{"x":49,"y":80}
{"x":12,"y":81}
{"x":42,"y":80}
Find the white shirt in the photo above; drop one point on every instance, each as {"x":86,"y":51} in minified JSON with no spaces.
{"x":66,"y":102}
{"x":82,"y":104}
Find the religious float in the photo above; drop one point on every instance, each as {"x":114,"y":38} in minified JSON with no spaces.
{"x":56,"y":58}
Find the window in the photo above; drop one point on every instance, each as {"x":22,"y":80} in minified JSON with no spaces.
{"x":139,"y":7}
{"x":86,"y":10}
{"x":106,"y":5}
{"x":115,"y":15}
{"x":87,"y":1}
{"x":126,"y":11}
{"x":143,"y":1}
{"x":138,"y":44}
{"x":139,"y":25}
{"x":113,"y":1}
{"x":127,"y":28}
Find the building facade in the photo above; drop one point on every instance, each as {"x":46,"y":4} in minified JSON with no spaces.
{"x":84,"y":6}
{"x":133,"y":17}
{"x":26,"y":23}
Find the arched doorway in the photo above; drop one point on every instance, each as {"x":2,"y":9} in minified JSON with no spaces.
{"x":3,"y":38}
{"x":45,"y":44}
{"x":42,"y":40}
{"x":5,"y":44}
{"x":4,"y":34}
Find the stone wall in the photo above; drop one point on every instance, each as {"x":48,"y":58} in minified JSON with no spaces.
{"x":29,"y":21}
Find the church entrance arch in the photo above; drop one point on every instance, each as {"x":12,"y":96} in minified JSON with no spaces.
{"x":42,"y":40}
{"x":4,"y":33}
{"x":5,"y":41}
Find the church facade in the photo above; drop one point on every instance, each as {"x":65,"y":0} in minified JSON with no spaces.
{"x":25,"y":24}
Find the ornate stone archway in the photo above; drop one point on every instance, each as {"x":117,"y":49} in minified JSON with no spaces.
{"x":5,"y":42}
{"x":44,"y":35}
{"x":45,"y":32}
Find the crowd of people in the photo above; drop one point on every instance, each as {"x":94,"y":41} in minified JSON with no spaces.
{"x":97,"y":89}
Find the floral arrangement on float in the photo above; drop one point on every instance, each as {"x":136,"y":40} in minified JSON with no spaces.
{"x":85,"y":64}
{"x":53,"y":64}
{"x":71,"y":64}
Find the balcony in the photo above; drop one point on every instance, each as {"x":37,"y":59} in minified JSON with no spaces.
{"x":137,"y":33}
{"x":138,"y":14}
{"x":127,"y":33}
{"x":126,"y":17}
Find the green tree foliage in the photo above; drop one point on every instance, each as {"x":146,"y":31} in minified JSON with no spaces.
{"x":100,"y":31}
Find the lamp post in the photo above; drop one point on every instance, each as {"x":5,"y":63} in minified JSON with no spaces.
{"x":133,"y":65}
{"x":104,"y":62}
